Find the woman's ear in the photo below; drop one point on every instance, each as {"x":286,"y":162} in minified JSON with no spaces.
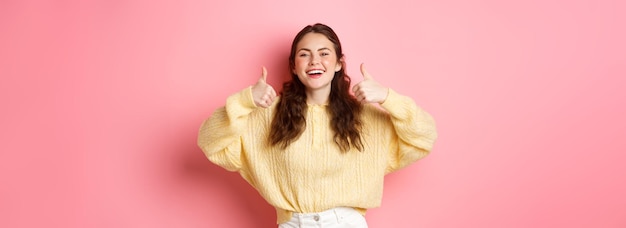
{"x":340,"y":62}
{"x":293,"y":69}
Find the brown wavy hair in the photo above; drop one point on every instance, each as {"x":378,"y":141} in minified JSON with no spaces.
{"x":290,"y":118}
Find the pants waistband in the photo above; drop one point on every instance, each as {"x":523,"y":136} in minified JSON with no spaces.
{"x":333,"y":212}
{"x":324,"y":213}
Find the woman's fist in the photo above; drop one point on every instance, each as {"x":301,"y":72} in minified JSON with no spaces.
{"x":368,"y":90}
{"x":262,"y":92}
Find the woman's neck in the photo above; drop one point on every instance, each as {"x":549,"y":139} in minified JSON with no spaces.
{"x":317,"y":97}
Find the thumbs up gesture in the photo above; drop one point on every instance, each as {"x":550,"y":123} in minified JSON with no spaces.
{"x":263,"y":93}
{"x":368,"y":90}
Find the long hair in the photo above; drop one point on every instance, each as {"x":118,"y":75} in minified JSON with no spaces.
{"x":290,"y":118}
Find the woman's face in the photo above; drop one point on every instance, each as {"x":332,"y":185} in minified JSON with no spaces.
{"x":316,"y":62}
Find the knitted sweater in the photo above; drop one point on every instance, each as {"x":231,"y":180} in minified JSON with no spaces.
{"x":312,"y":174}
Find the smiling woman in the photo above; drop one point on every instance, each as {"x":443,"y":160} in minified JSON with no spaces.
{"x":316,"y":64}
{"x":318,"y":153}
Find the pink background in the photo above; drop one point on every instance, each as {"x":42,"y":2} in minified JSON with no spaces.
{"x":102,"y":100}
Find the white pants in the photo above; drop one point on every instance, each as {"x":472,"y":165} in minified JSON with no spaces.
{"x":339,"y":217}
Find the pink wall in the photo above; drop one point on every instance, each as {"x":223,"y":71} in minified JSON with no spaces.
{"x":102,"y":101}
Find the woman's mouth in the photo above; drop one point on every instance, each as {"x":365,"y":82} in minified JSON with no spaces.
{"x":315,"y":73}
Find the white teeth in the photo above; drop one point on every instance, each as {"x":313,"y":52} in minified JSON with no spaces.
{"x":315,"y":72}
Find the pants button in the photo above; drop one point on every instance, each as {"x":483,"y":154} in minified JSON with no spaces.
{"x":316,"y":218}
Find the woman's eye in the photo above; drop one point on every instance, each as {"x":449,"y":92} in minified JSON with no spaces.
{"x":303,"y":55}
{"x":324,"y":54}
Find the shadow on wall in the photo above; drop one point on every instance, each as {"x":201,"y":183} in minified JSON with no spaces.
{"x":240,"y":202}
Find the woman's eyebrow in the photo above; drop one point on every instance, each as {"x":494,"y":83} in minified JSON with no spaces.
{"x":309,"y":50}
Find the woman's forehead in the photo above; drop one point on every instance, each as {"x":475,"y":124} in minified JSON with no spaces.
{"x":314,"y":42}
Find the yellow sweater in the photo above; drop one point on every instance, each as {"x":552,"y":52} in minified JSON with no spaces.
{"x":312,"y":174}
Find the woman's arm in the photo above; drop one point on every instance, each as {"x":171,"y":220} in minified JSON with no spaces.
{"x":415,"y":131}
{"x":220,"y":135}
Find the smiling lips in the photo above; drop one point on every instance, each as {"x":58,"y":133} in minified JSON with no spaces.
{"x":315,"y":73}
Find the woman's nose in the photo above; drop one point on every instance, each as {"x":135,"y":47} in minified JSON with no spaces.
{"x":315,"y":59}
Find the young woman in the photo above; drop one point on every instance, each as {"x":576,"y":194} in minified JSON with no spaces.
{"x":318,"y":153}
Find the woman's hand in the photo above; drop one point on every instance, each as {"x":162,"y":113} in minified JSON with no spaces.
{"x":263,"y":93}
{"x":368,"y":90}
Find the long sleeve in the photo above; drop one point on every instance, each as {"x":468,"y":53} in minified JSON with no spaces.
{"x":220,"y":135}
{"x":415,"y":131}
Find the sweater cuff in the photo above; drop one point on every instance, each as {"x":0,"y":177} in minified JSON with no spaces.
{"x":241,"y":102}
{"x":248,"y":99}
{"x":394,"y":99}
